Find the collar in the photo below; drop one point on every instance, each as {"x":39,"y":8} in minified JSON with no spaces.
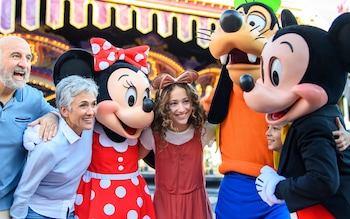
{"x":179,"y":138}
{"x":71,"y":136}
{"x":18,"y":95}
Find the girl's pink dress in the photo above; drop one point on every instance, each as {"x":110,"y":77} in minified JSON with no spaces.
{"x":112,"y":186}
{"x":179,"y":181}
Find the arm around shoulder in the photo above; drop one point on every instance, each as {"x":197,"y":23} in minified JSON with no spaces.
{"x":31,"y":137}
{"x":208,"y":133}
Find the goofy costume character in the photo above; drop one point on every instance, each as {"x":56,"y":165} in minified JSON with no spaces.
{"x":238,"y":42}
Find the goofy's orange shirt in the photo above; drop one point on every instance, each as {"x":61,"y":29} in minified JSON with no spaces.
{"x":242,"y":142}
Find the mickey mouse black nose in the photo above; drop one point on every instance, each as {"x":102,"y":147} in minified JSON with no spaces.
{"x":246,"y":82}
{"x":147,"y":105}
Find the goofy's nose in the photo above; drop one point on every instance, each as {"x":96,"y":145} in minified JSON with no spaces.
{"x":231,"y":21}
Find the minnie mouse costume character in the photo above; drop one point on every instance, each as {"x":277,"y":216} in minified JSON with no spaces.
{"x":112,"y":186}
{"x":304,"y":71}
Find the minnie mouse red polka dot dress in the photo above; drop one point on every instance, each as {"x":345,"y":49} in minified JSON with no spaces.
{"x":112,"y":186}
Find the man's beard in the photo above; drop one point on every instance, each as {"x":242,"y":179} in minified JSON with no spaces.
{"x":8,"y":81}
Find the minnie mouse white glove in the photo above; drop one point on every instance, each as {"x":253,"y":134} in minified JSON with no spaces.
{"x":266,"y":184}
{"x":31,"y":137}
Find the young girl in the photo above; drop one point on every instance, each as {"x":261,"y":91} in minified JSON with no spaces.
{"x":177,"y":136}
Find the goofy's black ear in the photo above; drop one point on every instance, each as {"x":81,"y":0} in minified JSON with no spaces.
{"x":221,"y":100}
{"x":73,"y":62}
{"x":287,"y":18}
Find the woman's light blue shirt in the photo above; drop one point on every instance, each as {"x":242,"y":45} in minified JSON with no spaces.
{"x":52,"y":174}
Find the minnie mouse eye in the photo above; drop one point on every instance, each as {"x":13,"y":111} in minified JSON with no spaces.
{"x":131,"y":97}
{"x":146,"y":94}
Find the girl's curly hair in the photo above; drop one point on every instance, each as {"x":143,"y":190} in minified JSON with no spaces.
{"x":162,"y":120}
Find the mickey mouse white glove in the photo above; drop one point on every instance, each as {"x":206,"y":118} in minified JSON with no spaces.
{"x":266,"y":184}
{"x":31,"y":137}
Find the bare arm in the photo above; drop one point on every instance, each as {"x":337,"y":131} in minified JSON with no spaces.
{"x":142,"y":151}
{"x":48,"y":125}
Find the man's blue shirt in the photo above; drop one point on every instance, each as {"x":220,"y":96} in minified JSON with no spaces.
{"x":25,"y":106}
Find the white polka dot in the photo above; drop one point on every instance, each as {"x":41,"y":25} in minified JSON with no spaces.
{"x":121,"y":168}
{"x":103,"y":65}
{"x":86,"y":178}
{"x":111,"y":56}
{"x":79,"y":199}
{"x":92,"y":195}
{"x":146,"y":217}
{"x":135,"y":181}
{"x":147,"y":190}
{"x":109,"y":209}
{"x":106,"y":45}
{"x":104,"y":184}
{"x":120,"y":192}
{"x":139,"y":57}
{"x":76,"y":217}
{"x":95,"y":48}
{"x":132,"y":214}
{"x":144,"y":70}
{"x":122,"y":56}
{"x":139,"y":202}
{"x":120,"y":159}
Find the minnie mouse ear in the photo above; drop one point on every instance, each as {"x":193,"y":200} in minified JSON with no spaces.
{"x":73,"y":62}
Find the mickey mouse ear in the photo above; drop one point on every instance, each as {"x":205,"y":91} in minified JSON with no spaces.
{"x":73,"y":62}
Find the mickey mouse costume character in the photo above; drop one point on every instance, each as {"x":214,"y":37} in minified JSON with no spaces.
{"x":112,"y":187}
{"x":304,"y":71}
{"x":238,"y":42}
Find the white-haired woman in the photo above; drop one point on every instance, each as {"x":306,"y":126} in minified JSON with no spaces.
{"x":51,"y":176}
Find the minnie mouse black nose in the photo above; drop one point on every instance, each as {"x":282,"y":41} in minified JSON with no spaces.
{"x":147,"y":105}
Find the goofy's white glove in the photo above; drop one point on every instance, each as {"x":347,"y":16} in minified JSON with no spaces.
{"x":266,"y":185}
{"x":31,"y":137}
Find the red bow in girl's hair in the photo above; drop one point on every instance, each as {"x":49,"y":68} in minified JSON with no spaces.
{"x":105,"y":54}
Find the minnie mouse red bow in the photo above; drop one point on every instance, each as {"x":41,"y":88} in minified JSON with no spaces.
{"x":106,"y":54}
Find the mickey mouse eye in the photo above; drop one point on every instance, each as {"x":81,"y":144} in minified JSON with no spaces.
{"x":276,"y":72}
{"x":257,"y":22}
{"x":131,"y":96}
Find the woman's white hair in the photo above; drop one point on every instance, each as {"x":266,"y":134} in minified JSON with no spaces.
{"x":69,"y":87}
